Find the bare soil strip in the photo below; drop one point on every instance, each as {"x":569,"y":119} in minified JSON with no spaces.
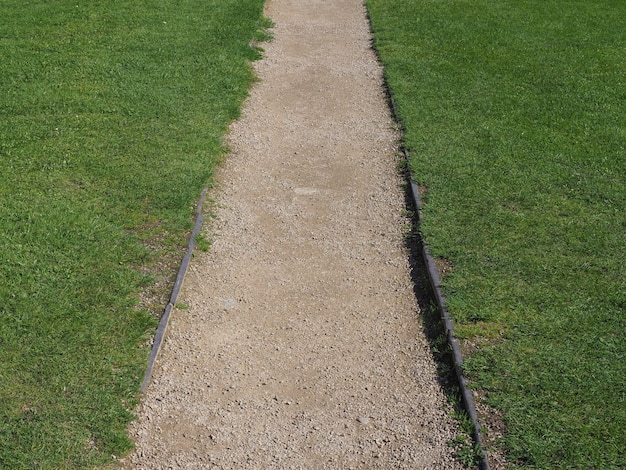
{"x":301,"y":344}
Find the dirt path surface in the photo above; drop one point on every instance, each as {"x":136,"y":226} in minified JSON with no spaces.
{"x":301,"y":346}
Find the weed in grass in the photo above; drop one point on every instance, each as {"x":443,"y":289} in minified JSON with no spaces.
{"x":264,"y":30}
{"x":202,"y":242}
{"x":466,"y":450}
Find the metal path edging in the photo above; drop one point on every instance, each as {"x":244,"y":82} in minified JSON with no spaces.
{"x":162,"y":328}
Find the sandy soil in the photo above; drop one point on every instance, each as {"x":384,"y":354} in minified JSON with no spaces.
{"x":301,"y":346}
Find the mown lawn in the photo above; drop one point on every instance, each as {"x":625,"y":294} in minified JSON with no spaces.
{"x":515,"y":118}
{"x":111,"y":118}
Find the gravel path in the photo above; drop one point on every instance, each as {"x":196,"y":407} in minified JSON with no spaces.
{"x":301,"y":346}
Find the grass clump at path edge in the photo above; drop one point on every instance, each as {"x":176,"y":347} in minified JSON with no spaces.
{"x":111,"y":119}
{"x":515,"y":118}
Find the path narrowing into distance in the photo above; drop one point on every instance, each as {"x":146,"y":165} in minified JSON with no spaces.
{"x":301,"y":346}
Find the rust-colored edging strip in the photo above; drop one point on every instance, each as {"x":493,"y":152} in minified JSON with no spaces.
{"x":160,"y":333}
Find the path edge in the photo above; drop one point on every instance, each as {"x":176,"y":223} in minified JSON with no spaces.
{"x":433,"y":276}
{"x":182,"y":271}
{"x":457,"y":355}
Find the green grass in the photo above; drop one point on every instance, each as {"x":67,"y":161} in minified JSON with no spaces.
{"x":515,"y":118}
{"x":111,"y":119}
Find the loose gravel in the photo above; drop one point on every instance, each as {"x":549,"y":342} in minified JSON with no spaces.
{"x":301,"y":344}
